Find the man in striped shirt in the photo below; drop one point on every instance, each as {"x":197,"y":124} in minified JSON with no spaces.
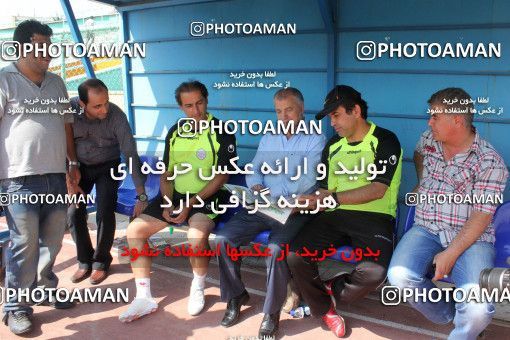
{"x":461,"y":180}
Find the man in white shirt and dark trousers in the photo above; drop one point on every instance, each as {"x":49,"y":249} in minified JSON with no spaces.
{"x":243,"y":227}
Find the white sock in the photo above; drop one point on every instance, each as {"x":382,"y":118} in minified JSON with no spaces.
{"x":143,"y":288}
{"x":198,"y":280}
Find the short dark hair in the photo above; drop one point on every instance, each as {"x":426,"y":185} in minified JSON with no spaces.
{"x":26,"y":29}
{"x":189,"y":86}
{"x":451,"y":93}
{"x":91,"y":83}
{"x":289,"y":91}
{"x":348,"y":103}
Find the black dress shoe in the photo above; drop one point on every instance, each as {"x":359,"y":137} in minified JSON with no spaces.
{"x":234,"y":309}
{"x":60,"y":303}
{"x":269,"y":325}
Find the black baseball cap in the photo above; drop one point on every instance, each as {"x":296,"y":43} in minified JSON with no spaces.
{"x":338,"y":96}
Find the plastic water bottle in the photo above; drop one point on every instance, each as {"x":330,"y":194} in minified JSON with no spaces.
{"x":300,"y":312}
{"x":307,"y":311}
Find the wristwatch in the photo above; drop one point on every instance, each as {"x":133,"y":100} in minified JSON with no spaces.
{"x":142,"y":197}
{"x":74,"y":163}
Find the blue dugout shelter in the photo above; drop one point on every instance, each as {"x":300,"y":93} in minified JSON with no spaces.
{"x":332,"y":44}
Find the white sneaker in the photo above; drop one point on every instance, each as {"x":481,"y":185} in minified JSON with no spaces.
{"x":138,"y":308}
{"x":196,"y":300}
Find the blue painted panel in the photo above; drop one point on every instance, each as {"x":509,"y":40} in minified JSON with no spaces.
{"x":159,"y":89}
{"x":174,"y":22}
{"x":348,"y":40}
{"x":374,"y":13}
{"x":236,"y":54}
{"x":408,"y":94}
{"x":155,"y":122}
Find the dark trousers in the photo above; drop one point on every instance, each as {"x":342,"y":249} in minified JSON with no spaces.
{"x":241,"y":230}
{"x":334,"y":229}
{"x":106,"y":201}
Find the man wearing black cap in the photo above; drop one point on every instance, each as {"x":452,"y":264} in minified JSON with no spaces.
{"x":363,"y":169}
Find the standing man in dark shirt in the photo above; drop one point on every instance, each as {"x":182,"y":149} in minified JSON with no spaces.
{"x":101,"y":132}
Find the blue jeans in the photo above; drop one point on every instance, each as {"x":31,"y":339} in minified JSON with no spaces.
{"x":410,"y":264}
{"x":36,"y":232}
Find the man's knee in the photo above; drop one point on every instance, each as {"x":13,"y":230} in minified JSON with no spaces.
{"x":403,"y":277}
{"x":201,"y":223}
{"x":221,"y":240}
{"x":200,"y":226}
{"x":197,"y":238}
{"x":294,"y":260}
{"x":371,"y":274}
{"x":274,"y":247}
{"x":477,"y":314}
{"x":275,"y":251}
{"x":25,"y":240}
{"x":137,"y":229}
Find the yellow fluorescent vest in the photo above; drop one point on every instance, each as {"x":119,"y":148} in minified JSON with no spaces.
{"x":350,"y":156}
{"x":201,"y":151}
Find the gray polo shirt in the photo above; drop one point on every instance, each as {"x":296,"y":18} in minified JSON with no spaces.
{"x":32,"y":130}
{"x":99,"y":141}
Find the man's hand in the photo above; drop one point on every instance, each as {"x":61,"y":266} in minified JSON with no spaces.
{"x":323,"y":193}
{"x":313,"y":199}
{"x":258,"y":187}
{"x":444,"y":262}
{"x":139,"y":207}
{"x":182,"y":217}
{"x":73,"y":177}
{"x":167,"y":213}
{"x":73,"y":188}
{"x":310,"y":199}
